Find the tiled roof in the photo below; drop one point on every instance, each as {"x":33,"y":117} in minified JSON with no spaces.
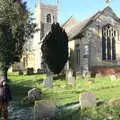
{"x":76,"y":29}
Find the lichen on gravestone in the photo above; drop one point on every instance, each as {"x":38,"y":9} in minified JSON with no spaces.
{"x":87,"y":99}
{"x":44,"y":109}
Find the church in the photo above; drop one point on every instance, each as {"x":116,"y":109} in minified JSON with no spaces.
{"x":45,"y":15}
{"x":94,"y":44}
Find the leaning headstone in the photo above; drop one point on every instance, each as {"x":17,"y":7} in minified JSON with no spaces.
{"x":48,"y":82}
{"x":33,"y":95}
{"x":44,"y":110}
{"x":87,"y":99}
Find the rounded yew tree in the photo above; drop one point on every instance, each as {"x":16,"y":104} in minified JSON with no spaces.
{"x":55,"y":48}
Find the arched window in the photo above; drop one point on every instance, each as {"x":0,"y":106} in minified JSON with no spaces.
{"x":77,"y":48}
{"x":48,"y":18}
{"x":108,"y":43}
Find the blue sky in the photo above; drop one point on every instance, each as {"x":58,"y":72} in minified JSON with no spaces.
{"x":80,"y":9}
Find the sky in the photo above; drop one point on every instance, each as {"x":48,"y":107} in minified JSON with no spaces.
{"x":80,"y":9}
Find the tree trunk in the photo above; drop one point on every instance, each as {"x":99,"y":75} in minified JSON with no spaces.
{"x":5,"y":74}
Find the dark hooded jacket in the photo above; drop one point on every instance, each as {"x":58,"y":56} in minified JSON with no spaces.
{"x":5,"y":93}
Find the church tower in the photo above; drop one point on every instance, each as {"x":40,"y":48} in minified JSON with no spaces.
{"x":45,"y":16}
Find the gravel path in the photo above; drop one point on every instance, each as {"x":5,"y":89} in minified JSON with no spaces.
{"x":19,"y":113}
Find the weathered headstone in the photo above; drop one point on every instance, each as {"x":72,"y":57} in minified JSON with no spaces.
{"x":40,"y":71}
{"x":69,"y":73}
{"x":71,"y":81}
{"x":48,"y":82}
{"x":44,"y":110}
{"x":34,"y":94}
{"x":113,"y":77}
{"x":70,"y":77}
{"x":87,"y":99}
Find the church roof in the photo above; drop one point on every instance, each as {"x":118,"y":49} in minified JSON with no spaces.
{"x":78,"y":28}
{"x":70,"y":23}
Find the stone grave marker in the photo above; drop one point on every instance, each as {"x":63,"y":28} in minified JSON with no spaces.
{"x":87,"y":99}
{"x":113,"y":77}
{"x":70,"y":77}
{"x":44,"y":110}
{"x":71,"y":81}
{"x":34,"y":94}
{"x":48,"y":82}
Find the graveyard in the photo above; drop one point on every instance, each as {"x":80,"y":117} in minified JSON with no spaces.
{"x":58,"y":67}
{"x":105,"y":88}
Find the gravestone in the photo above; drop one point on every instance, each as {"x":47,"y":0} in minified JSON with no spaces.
{"x":69,"y":73}
{"x":70,"y":77}
{"x":48,"y":82}
{"x":34,"y":94}
{"x":44,"y":110}
{"x":71,"y":81}
{"x":113,"y":77}
{"x":41,"y":71}
{"x":87,"y":99}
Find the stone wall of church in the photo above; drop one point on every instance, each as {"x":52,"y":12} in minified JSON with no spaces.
{"x":94,"y":34}
{"x":91,"y":44}
{"x":83,"y":59}
{"x":41,"y":12}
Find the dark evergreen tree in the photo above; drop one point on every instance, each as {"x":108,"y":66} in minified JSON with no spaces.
{"x":16,"y":27}
{"x":55,"y":48}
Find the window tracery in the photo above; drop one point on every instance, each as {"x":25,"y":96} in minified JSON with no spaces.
{"x":108,"y":43}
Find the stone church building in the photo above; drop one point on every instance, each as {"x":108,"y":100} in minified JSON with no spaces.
{"x":94,"y":44}
{"x":45,"y":16}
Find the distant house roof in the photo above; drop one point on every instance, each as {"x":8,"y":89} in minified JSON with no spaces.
{"x":76,"y":29}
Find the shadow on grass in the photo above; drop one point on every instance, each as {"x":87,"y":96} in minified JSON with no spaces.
{"x":58,"y":77}
{"x":39,"y":81}
{"x":19,"y":92}
{"x":95,"y":113}
{"x":68,"y":114}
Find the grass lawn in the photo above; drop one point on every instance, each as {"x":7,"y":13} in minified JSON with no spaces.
{"x":61,"y":93}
